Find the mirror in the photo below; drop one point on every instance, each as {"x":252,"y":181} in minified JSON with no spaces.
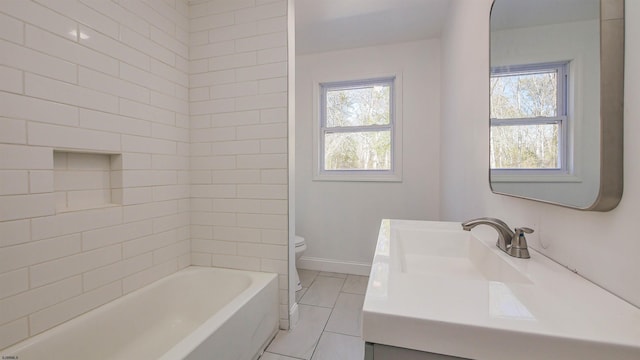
{"x":556,"y":85}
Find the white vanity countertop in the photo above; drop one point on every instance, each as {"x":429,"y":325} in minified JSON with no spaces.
{"x":525,"y":309}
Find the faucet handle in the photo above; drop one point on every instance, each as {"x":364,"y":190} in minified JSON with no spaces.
{"x":519,"y":247}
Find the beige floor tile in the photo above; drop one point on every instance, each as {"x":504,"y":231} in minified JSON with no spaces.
{"x":339,"y":347}
{"x":333,"y":274}
{"x":307,"y":277}
{"x":300,"y":293}
{"x":355,"y":284}
{"x":346,"y":317}
{"x":272,"y":356}
{"x":302,"y":340}
{"x":323,"y":292}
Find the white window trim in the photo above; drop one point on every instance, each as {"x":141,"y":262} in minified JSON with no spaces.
{"x":393,"y":175}
{"x":566,"y":172}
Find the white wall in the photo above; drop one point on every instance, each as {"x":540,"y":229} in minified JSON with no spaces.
{"x":340,"y":220}
{"x":238,"y":107}
{"x":118,"y":88}
{"x":603,"y":247}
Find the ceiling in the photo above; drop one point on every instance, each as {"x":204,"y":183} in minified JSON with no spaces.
{"x":325,"y":25}
{"x":508,"y":14}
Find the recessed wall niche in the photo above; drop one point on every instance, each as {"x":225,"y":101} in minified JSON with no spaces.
{"x":83,"y":180}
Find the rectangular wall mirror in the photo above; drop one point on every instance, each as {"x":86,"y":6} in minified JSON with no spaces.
{"x":556,"y":100}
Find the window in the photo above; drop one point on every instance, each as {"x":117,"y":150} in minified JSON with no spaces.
{"x":529,"y":119}
{"x":357,"y":130}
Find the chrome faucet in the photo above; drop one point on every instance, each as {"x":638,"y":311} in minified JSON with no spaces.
{"x":513,"y":243}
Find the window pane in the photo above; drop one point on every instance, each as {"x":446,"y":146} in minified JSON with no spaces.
{"x":524,"y":95}
{"x":525,"y":146}
{"x":358,"y":151}
{"x":358,"y":107}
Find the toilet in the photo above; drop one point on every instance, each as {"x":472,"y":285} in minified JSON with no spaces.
{"x":301,"y":246}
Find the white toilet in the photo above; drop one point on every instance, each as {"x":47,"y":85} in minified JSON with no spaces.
{"x":301,"y":246}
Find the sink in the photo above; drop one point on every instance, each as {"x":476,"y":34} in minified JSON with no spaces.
{"x":436,"y":288}
{"x":451,"y":254}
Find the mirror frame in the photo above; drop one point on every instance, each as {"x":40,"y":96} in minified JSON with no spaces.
{"x":611,"y":110}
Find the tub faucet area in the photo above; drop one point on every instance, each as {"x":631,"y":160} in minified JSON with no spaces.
{"x":513,"y":243}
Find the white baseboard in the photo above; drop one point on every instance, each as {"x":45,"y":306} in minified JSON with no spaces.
{"x":329,"y":265}
{"x":294,"y":316}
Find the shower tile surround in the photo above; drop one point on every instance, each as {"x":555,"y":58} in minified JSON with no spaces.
{"x":182,"y":160}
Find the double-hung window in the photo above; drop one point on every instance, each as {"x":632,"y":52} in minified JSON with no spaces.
{"x":357,"y":130}
{"x":529,"y":119}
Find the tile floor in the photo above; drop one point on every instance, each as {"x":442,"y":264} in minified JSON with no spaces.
{"x":330,"y":306}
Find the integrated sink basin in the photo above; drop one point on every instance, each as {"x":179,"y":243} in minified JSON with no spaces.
{"x":436,"y":288}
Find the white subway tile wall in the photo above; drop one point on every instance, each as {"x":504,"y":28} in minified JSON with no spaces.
{"x":90,"y":76}
{"x":238,"y":108}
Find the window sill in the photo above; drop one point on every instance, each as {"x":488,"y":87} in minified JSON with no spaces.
{"x":358,"y":177}
{"x":535,"y":179}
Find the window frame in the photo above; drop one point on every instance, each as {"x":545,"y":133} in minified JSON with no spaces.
{"x":562,"y":118}
{"x":394,"y":174}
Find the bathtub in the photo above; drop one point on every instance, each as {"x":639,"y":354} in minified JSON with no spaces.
{"x":196,"y":313}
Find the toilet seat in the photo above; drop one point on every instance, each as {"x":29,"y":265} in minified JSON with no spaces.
{"x":299,"y":241}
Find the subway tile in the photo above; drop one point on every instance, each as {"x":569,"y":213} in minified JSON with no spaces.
{"x":40,"y":16}
{"x":23,"y":58}
{"x":213,"y":77}
{"x":234,"y":90}
{"x":149,"y":210}
{"x":28,"y":108}
{"x":199,"y":94}
{"x":274,"y":55}
{"x":104,"y":275}
{"x":264,"y":131}
{"x":277,"y":24}
{"x":169,"y":162}
{"x":170,"y":222}
{"x":226,"y":233}
{"x":73,"y":222}
{"x":268,"y":161}
{"x":258,"y":72}
{"x":119,"y":14}
{"x":219,"y":6}
{"x":211,"y":50}
{"x":258,"y":102}
{"x":13,"y":332}
{"x":86,"y":199}
{"x":11,"y":80}
{"x":174,"y":74}
{"x":94,"y":239}
{"x":169,"y":42}
{"x":25,"y":157}
{"x":212,"y":106}
{"x":55,"y":270}
{"x":233,"y":32}
{"x":84,"y":15}
{"x":214,"y":247}
{"x":171,"y":103}
{"x":171,"y":252}
{"x":14,"y":232}
{"x":14,"y":282}
{"x":112,"y":85}
{"x":146,"y":46}
{"x":236,"y":205}
{"x":59,"y":313}
{"x":146,"y":112}
{"x":235,"y":147}
{"x":200,"y":259}
{"x":213,"y":162}
{"x":236,"y":118}
{"x":14,"y":182}
{"x":136,"y":196}
{"x":135,"y":161}
{"x":275,"y":85}
{"x":213,"y":191}
{"x":264,"y":251}
{"x":280,"y":237}
{"x":16,"y":207}
{"x":261,"y":42}
{"x":148,"y":145}
{"x":25,"y":303}
{"x":87,"y":161}
{"x":98,"y":120}
{"x":235,"y":176}
{"x":274,"y":207}
{"x":53,"y":90}
{"x":236,"y":262}
{"x":113,"y":48}
{"x":277,"y":115}
{"x":200,"y":67}
{"x":273,"y":146}
{"x":146,"y":79}
{"x":69,"y":137}
{"x":80,"y":180}
{"x":262,"y":221}
{"x":210,"y":21}
{"x":262,"y":191}
{"x":261,"y":12}
{"x":40,"y":181}
{"x":148,"y":14}
{"x":147,"y":276}
{"x":274,"y":266}
{"x":213,"y":218}
{"x":233,"y":61}
{"x":198,"y":38}
{"x":198,"y":204}
{"x":170,"y":192}
{"x":69,"y":50}
{"x":11,"y":29}
{"x":134,"y":178}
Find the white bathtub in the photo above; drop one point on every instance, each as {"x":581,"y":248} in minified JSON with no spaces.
{"x":196,"y":313}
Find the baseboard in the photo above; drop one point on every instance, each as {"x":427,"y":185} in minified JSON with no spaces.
{"x":329,"y":265}
{"x":294,"y":315}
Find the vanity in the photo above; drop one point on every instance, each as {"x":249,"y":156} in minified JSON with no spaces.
{"x":438,"y":292}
